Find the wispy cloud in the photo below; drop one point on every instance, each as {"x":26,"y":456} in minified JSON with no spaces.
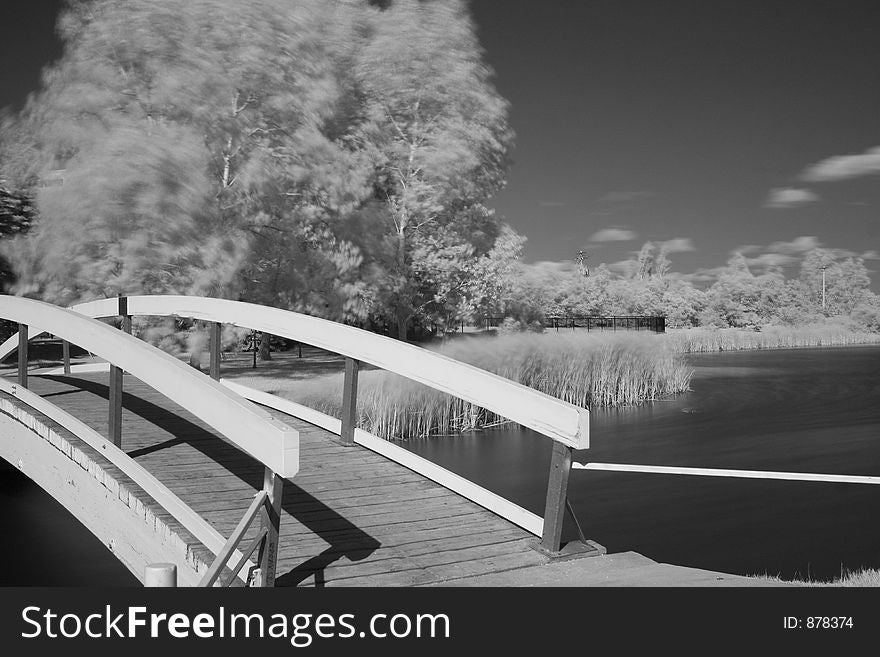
{"x":796,"y":246}
{"x":677,"y":245}
{"x":623,"y":196}
{"x":789,"y":197}
{"x":842,"y":167}
{"x":614,"y":234}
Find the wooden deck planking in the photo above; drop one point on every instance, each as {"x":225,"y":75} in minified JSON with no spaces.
{"x":349,"y":517}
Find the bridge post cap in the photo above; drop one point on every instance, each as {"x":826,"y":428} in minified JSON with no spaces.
{"x":160,"y":575}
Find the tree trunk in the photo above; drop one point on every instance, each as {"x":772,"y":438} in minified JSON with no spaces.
{"x":264,"y":352}
{"x":402,"y":313}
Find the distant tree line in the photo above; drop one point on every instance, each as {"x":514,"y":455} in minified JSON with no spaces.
{"x":737,"y":298}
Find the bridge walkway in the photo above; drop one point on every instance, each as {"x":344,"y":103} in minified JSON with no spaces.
{"x":350,"y":517}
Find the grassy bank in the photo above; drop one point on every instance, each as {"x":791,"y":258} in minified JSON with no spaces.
{"x":860,"y":578}
{"x":585,"y":370}
{"x":698,"y":340}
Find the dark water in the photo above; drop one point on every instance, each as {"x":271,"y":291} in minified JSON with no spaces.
{"x":807,"y":410}
{"x":810,"y":410}
{"x":44,"y":545}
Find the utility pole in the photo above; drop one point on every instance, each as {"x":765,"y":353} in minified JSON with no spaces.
{"x":823,"y":268}
{"x":581,"y":260}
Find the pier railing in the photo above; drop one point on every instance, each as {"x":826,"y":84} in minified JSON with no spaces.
{"x":244,"y":424}
{"x":565,"y":424}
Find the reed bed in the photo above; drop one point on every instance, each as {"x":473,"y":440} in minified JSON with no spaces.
{"x":585,"y":370}
{"x":698,"y":340}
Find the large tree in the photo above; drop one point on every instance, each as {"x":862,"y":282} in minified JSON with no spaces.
{"x":436,"y":132}
{"x":194,"y":140}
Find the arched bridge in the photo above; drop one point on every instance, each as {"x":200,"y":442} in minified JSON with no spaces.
{"x":234,"y":486}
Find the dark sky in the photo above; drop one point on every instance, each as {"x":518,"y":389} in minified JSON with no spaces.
{"x":674,"y":120}
{"x":710,"y":125}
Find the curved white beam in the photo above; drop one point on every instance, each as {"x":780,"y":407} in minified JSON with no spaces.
{"x":251,"y":428}
{"x":548,"y":415}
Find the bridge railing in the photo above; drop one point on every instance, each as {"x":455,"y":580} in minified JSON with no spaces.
{"x":567,"y":425}
{"x":250,"y":428}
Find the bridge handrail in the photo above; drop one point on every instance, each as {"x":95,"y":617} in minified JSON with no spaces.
{"x":249,"y":427}
{"x":552,"y":417}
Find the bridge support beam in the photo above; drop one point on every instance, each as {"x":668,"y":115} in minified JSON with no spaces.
{"x":214,"y":329}
{"x":557,"y":494}
{"x":65,"y":355}
{"x":273,"y":485}
{"x":22,"y":355}
{"x":115,"y":419}
{"x":349,"y":401}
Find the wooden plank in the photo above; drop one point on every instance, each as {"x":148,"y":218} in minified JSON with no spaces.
{"x":552,"y":417}
{"x":485,"y":498}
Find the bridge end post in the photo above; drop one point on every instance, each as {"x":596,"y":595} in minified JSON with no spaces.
{"x":557,"y":492}
{"x":273,"y":485}
{"x":160,"y":575}
{"x":349,"y":401}
{"x":23,"y":355}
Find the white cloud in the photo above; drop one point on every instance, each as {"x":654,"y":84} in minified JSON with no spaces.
{"x":842,"y":167}
{"x":614,"y":234}
{"x":870,"y":255}
{"x":766,"y":260}
{"x":677,"y":245}
{"x":798,"y":245}
{"x":788,"y":197}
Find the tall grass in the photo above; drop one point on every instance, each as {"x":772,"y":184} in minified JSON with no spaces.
{"x":585,"y":370}
{"x":772,"y":337}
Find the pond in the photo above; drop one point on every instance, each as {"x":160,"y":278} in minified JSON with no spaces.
{"x":799,"y":410}
{"x":804,"y":410}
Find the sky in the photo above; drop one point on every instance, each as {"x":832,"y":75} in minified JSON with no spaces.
{"x":709,"y":126}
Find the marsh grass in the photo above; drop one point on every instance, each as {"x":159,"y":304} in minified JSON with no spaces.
{"x":585,"y":370}
{"x":699,"y":340}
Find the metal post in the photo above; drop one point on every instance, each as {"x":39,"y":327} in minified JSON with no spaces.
{"x":160,"y":575}
{"x":65,"y":355}
{"x":349,"y":401}
{"x":557,"y":491}
{"x":268,"y":557}
{"x":214,"y":347}
{"x":22,"y":355}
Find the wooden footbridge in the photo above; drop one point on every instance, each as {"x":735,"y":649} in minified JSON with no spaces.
{"x":166,"y":464}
